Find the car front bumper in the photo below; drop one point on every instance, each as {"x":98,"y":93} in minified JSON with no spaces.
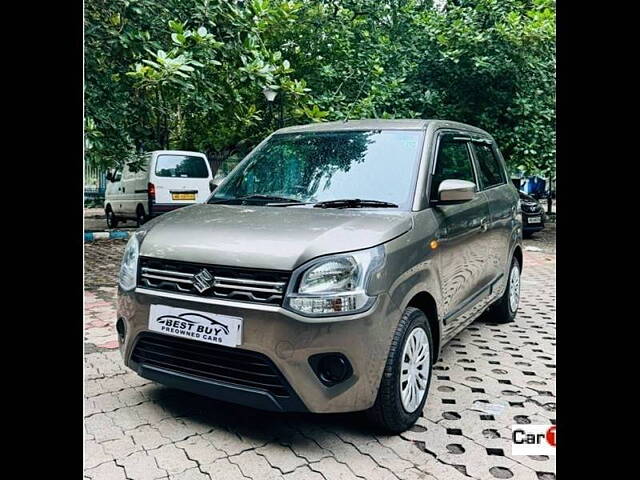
{"x":532,"y":227}
{"x":287,"y":340}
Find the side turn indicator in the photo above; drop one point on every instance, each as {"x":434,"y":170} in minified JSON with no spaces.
{"x":433,"y":244}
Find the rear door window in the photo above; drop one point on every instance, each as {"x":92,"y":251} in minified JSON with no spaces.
{"x":489,"y":168}
{"x":181,"y":166}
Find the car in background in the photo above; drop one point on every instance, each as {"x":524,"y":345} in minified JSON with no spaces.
{"x":219,"y":177}
{"x":532,"y":214}
{"x":163,"y":180}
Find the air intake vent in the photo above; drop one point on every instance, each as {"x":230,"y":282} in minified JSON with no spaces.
{"x":211,"y":362}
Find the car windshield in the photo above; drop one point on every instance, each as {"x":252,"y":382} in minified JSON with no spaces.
{"x":314,"y":167}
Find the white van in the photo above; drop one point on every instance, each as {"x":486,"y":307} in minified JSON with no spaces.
{"x":166,"y":180}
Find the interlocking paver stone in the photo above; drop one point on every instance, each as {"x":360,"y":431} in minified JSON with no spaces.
{"x":106,"y":471}
{"x":191,"y":474}
{"x":487,"y":379}
{"x":141,"y":466}
{"x":172,"y":459}
{"x":281,"y":457}
{"x":223,"y":469}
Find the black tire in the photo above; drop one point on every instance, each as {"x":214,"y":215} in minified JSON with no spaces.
{"x":501,"y":311}
{"x":141,"y":217}
{"x":388,"y":412}
{"x":112,"y":220}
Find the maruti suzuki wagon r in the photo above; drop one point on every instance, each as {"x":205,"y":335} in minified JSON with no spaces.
{"x":327,"y":270}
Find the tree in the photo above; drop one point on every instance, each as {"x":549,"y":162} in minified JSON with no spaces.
{"x":189,"y":74}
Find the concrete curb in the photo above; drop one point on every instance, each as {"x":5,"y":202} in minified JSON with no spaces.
{"x":91,"y":236}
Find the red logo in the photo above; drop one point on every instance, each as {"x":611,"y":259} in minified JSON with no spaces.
{"x":551,"y":436}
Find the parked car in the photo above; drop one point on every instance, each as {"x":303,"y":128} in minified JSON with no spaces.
{"x":327,"y":270}
{"x":532,"y":215}
{"x":163,"y":181}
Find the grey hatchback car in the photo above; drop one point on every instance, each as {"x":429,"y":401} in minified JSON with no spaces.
{"x":327,"y":270}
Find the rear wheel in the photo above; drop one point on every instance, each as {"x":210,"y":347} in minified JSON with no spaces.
{"x":141,"y":217}
{"x":407,"y":375}
{"x":112,"y":220}
{"x":505,"y":309}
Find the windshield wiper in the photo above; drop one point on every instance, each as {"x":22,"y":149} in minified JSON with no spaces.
{"x":275,"y":198}
{"x":269,"y":198}
{"x":354,"y":203}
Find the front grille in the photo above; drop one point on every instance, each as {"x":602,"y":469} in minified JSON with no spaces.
{"x":211,"y":362}
{"x":531,"y":207}
{"x":232,"y":283}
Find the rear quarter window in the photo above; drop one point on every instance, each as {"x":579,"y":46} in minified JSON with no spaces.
{"x":181,"y":166}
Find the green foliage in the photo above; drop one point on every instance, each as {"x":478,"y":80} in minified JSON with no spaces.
{"x":189,"y":74}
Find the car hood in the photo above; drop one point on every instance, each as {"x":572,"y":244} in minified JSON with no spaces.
{"x":527,"y":198}
{"x":279,"y":238}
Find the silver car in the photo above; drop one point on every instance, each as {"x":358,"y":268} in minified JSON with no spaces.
{"x":327,"y":270}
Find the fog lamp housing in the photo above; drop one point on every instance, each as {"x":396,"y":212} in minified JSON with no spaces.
{"x":331,"y":368}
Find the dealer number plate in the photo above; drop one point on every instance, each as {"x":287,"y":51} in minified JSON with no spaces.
{"x":201,"y":326}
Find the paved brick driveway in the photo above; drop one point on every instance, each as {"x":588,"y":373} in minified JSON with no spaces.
{"x":489,"y":378}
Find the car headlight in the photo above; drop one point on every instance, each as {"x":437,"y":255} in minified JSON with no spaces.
{"x":129,"y":267}
{"x":334,"y":285}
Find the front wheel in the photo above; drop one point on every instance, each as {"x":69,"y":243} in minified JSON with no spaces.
{"x":407,"y":375}
{"x":112,"y":220}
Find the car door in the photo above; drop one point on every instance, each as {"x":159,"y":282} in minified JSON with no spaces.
{"x":139,"y":185}
{"x":462,"y":244}
{"x":128,"y":191}
{"x":181,"y":178}
{"x":502,"y":198}
{"x":113,"y":194}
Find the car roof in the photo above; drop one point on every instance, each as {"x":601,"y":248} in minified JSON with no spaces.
{"x":177,"y":152}
{"x":379,"y":124}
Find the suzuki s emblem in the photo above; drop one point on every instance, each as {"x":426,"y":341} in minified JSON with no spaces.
{"x":203,"y":280}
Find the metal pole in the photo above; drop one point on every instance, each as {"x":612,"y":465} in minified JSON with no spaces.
{"x":281,"y":109}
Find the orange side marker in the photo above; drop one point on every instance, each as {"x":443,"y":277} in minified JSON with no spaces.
{"x":433,"y":244}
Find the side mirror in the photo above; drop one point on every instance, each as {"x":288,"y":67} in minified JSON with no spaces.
{"x":454,"y":191}
{"x":212,"y":186}
{"x":109,"y":176}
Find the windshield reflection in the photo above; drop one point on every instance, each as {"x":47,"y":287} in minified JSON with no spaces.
{"x":322,"y":166}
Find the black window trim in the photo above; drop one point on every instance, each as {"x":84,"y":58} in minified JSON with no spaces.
{"x":460,"y":136}
{"x":492,"y":146}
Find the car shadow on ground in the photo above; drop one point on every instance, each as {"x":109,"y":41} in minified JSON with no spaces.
{"x":258,"y":426}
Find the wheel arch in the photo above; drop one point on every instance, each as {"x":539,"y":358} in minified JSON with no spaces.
{"x":517,"y":253}
{"x":425,"y":302}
